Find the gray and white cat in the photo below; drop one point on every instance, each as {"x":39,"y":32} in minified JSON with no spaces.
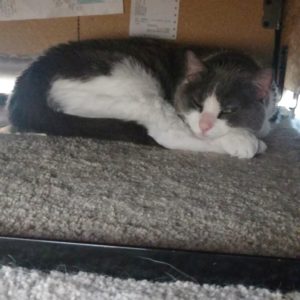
{"x":184,"y":98}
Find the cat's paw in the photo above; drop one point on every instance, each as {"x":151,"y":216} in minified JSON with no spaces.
{"x":242,"y":144}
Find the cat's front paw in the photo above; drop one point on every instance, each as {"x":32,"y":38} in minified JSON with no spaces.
{"x":242,"y":144}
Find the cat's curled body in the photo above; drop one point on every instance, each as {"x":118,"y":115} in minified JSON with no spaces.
{"x":185,"y":97}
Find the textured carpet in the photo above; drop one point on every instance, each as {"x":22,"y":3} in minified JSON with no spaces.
{"x":18,"y":283}
{"x":121,"y":193}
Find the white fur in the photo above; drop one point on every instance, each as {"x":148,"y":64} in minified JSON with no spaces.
{"x":130,"y":93}
{"x":212,"y":106}
{"x":192,"y":119}
{"x":123,"y":95}
{"x":241,"y":143}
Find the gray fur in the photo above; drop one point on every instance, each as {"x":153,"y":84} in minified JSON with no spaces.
{"x":232,"y":77}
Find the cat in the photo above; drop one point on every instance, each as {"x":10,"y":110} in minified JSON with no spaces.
{"x":180,"y":97}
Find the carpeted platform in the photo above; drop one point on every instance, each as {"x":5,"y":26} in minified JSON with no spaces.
{"x":121,"y":193}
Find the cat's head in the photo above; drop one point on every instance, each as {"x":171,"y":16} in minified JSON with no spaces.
{"x":213,"y":99}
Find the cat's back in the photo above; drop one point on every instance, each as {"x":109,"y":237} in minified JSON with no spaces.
{"x":88,"y":59}
{"x":94,"y":57}
{"x":83,"y":62}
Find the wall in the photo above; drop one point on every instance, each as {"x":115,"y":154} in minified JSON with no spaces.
{"x":33,"y":36}
{"x":230,"y":23}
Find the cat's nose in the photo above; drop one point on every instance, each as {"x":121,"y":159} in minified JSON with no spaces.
{"x":206,"y":122}
{"x":205,"y":126}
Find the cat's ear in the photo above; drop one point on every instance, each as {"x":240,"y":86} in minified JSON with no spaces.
{"x":194,"y":66}
{"x":263,"y":81}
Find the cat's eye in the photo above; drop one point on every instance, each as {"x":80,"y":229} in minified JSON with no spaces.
{"x":197,"y":104}
{"x":226,"y":111}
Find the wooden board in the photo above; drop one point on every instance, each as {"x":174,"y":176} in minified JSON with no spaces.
{"x":34,"y":36}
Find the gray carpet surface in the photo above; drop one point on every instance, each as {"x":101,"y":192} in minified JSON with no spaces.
{"x":121,"y":193}
{"x":18,"y":283}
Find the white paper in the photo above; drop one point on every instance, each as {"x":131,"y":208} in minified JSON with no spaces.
{"x":154,"y":18}
{"x":41,"y":9}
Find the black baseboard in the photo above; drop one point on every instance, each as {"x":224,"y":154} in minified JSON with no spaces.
{"x":152,"y":264}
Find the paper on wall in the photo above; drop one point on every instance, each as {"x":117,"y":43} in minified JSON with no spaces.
{"x":42,"y":9}
{"x":154,"y":18}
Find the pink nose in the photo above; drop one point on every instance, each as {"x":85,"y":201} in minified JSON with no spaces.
{"x":205,"y":126}
{"x":206,"y":122}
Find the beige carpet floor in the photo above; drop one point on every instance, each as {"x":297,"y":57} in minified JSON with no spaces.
{"x":121,"y":193}
{"x":18,"y":283}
